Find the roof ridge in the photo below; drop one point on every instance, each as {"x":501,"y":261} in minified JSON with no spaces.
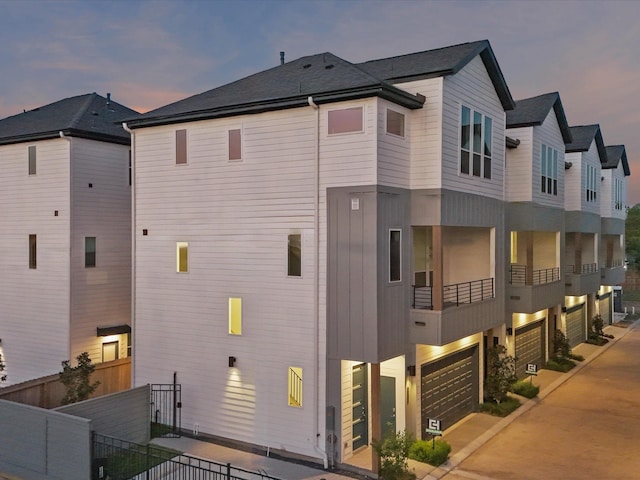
{"x":424,"y":51}
{"x":83,"y":109}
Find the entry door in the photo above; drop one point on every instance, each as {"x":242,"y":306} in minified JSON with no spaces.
{"x":360,"y":403}
{"x":388,"y":404}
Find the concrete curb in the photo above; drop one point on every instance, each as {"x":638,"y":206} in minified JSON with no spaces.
{"x":474,"y":445}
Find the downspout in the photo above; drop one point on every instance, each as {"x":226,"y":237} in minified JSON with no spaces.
{"x":64,"y":137}
{"x":133,"y":246}
{"x":316,"y":283}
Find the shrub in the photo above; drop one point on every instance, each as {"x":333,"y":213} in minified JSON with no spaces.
{"x":596,"y":340}
{"x":561,"y":347}
{"x":428,"y":451}
{"x":526,"y":389}
{"x":560,"y":364}
{"x":597,"y":324}
{"x":501,"y":373}
{"x":3,"y":377}
{"x":76,"y":379}
{"x":501,"y":409}
{"x":393,"y":451}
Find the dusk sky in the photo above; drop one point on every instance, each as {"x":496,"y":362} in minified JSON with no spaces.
{"x":150,"y":53}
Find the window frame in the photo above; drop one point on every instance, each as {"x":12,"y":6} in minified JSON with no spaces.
{"x":90,"y":262}
{"x":297,"y":273}
{"x":548,"y":170}
{"x":293,"y":392}
{"x":179,"y":259}
{"x":33,"y":251}
{"x":391,"y":258}
{"x":182,"y":147}
{"x":591,"y":185}
{"x":334,"y":112}
{"x":239,"y":146}
{"x":402,"y":117}
{"x":235,"y":316}
{"x":32,"y":160}
{"x":475,"y":143}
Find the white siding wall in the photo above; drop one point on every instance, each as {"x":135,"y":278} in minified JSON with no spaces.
{"x":607,"y":194}
{"x":34,"y":303}
{"x":236,"y":217}
{"x":394,"y":160}
{"x":520,"y":166}
{"x":473,"y":88}
{"x":548,"y":134}
{"x":101,"y":294}
{"x":575,"y":197}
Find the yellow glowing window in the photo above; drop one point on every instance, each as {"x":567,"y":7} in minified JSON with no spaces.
{"x":182,"y":257}
{"x":235,"y":316}
{"x":294,"y":385}
{"x":514,"y":247}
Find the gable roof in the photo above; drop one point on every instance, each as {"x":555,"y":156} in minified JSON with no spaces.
{"x":324,"y":76}
{"x":615,"y":155}
{"x":87,"y":116}
{"x":441,"y":62}
{"x":582,"y":137}
{"x":534,"y":110}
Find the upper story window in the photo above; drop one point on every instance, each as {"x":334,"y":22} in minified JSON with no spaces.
{"x":182,"y":257}
{"x":395,"y":123}
{"x":181,"y":147}
{"x":89,"y":251}
{"x":235,"y":144}
{"x":395,"y":255}
{"x":32,"y":160}
{"x":347,"y":120}
{"x":235,"y":316}
{"x":549,"y":170}
{"x":294,"y":255}
{"x":590,"y":183}
{"x":33,"y":263}
{"x":617,"y":194}
{"x":476,"y":133}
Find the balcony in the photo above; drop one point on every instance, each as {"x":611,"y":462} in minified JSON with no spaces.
{"x":518,"y":275}
{"x":582,"y":279}
{"x":455,"y":295}
{"x":532,"y":290}
{"x":613,"y":273}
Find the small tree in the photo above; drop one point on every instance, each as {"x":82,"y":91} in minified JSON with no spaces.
{"x":3,"y":376}
{"x":77,"y":379}
{"x":501,"y":373}
{"x":597,"y":325}
{"x":561,"y":347}
{"x":393,"y":452}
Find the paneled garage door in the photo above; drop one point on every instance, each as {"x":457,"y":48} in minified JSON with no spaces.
{"x":576,"y":325}
{"x":450,"y":388}
{"x":530,"y":346}
{"x":605,"y":308}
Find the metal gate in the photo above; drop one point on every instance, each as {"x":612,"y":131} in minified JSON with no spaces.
{"x":530,"y":346}
{"x":605,"y":308}
{"x":166,"y":409}
{"x":576,"y":325}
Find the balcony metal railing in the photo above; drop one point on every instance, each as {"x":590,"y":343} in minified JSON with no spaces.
{"x":518,"y":275}
{"x":468,"y":292}
{"x":615,"y":264}
{"x":422,"y":297}
{"x":583,"y":269}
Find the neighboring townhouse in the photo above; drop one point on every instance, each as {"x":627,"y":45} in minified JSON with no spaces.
{"x":319,"y":248}
{"x":535,"y":189}
{"x":613,"y":212}
{"x":65,"y":226}
{"x":585,"y":156}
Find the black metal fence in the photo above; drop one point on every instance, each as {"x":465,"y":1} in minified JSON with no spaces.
{"x":166,"y":408}
{"x":518,"y":275}
{"x":422,"y":297}
{"x":115,"y":459}
{"x":468,"y":292}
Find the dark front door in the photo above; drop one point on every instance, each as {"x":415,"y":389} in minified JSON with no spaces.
{"x":360,"y":403}
{"x":388,"y":404}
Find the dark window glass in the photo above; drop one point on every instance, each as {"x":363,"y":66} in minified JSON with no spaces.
{"x":394,"y":255}
{"x":345,"y":121}
{"x":465,"y":129}
{"x":294,"y":249}
{"x":235,"y":144}
{"x":181,"y":147}
{"x":395,"y":123}
{"x":32,"y":251}
{"x":476,"y":164}
{"x":89,"y":251}
{"x":32,"y":160}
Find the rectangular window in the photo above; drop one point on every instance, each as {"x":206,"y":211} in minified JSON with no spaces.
{"x":548,"y":170}
{"x":182,"y":257}
{"x":294,"y":386}
{"x":235,"y":316}
{"x":395,"y":123}
{"x":181,"y":147}
{"x":294,"y":255}
{"x":89,"y":251}
{"x":476,"y":146}
{"x":590,"y":183}
{"x":395,"y":254}
{"x":347,"y":120}
{"x":32,"y":252}
{"x":235,"y":144}
{"x":514,"y":247}
{"x":617,"y":194}
{"x":32,"y":160}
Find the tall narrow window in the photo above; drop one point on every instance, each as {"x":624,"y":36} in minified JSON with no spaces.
{"x":465,"y":131}
{"x":549,"y":170}
{"x":294,"y":255}
{"x":32,"y":252}
{"x":32,"y":160}
{"x":395,"y":123}
{"x":294,"y":386}
{"x":182,"y":257}
{"x":488,"y":135}
{"x":181,"y":147}
{"x":514,"y":247}
{"x":235,"y":316}
{"x":476,"y":148}
{"x":347,"y":120}
{"x":89,"y":251}
{"x":235,"y":144}
{"x":395,"y":255}
{"x":590,"y":183}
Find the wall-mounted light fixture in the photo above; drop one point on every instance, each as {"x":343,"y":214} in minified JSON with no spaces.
{"x":232,"y":361}
{"x":564,"y":309}
{"x":509,"y":331}
{"x":411,"y":370}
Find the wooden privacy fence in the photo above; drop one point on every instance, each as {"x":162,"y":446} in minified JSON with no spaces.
{"x":48,"y":392}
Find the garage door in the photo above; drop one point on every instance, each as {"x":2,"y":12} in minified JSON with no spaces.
{"x":450,"y":388}
{"x":605,"y":308}
{"x":529,"y":346}
{"x":576,"y":326}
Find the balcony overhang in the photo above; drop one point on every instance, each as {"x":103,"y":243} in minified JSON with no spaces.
{"x":114,"y":330}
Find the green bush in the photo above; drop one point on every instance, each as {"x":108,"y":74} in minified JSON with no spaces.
{"x":596,"y":340}
{"x":579,"y":358}
{"x":393,"y":451}
{"x":501,"y":373}
{"x":526,"y":389}
{"x":501,"y":409}
{"x":560,"y":364}
{"x":561,"y":347}
{"x":426,"y":451}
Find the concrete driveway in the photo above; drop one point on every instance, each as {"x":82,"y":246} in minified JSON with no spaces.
{"x":588,"y":428}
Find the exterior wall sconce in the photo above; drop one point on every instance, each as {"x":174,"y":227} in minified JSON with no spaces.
{"x":509,"y":331}
{"x":597,"y":296}
{"x":564,"y":309}
{"x":232,"y":361}
{"x":411,"y":370}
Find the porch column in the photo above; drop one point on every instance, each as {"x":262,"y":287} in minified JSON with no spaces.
{"x":528,"y":241}
{"x":609,"y":261}
{"x":577,"y":262}
{"x":437,"y":285}
{"x":376,"y":428}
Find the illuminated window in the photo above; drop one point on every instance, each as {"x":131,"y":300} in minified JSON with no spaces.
{"x":294,"y":255}
{"x":182,"y":257}
{"x":395,"y":123}
{"x":235,"y":144}
{"x":347,"y":120}
{"x":294,"y":386}
{"x":181,"y":147}
{"x":32,"y":251}
{"x":514,"y":247}
{"x":32,"y":160}
{"x":235,"y":316}
{"x":89,"y":251}
{"x":395,"y":254}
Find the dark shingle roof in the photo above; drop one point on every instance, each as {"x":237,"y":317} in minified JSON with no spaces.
{"x":615,"y":155}
{"x":582,"y":137}
{"x":86,"y":116}
{"x":325,"y":77}
{"x":441,"y":62}
{"x":533,"y":111}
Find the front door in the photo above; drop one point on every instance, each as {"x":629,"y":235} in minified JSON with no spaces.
{"x":360,"y":403}
{"x":388,"y":404}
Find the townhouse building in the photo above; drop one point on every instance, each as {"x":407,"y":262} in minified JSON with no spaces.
{"x":65,"y":224}
{"x":538,"y":133}
{"x":318,"y":248}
